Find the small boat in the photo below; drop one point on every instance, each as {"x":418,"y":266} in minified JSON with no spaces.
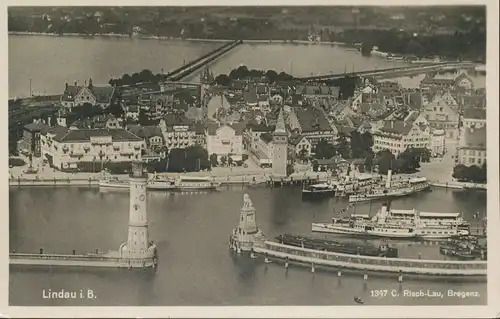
{"x":161,"y":183}
{"x":113,"y":182}
{"x":187,"y":183}
{"x":358,"y":300}
{"x":318,"y":191}
{"x":465,"y":256}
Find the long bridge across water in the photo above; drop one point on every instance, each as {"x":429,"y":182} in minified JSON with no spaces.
{"x":189,"y":68}
{"x":393,"y":72}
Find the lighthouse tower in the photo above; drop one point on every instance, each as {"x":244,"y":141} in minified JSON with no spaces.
{"x":280,"y":147}
{"x":138,"y":244}
{"x":247,"y":234}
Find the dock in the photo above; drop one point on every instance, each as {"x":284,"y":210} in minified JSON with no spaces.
{"x":248,"y":238}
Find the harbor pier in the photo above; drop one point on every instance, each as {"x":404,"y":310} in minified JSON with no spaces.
{"x":247,"y":237}
{"x":138,"y":252}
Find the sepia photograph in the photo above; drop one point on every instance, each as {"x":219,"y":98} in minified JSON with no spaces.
{"x":248,"y":156}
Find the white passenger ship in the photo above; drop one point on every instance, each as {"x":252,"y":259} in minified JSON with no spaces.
{"x":411,"y":186}
{"x":113,"y":182}
{"x":383,"y":225}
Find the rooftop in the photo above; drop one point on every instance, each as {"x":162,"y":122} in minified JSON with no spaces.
{"x":475,"y":113}
{"x":312,"y":119}
{"x":84,"y":135}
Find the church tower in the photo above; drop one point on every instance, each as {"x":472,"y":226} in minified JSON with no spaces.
{"x":138,"y":244}
{"x":280,"y":147}
{"x":206,"y":78}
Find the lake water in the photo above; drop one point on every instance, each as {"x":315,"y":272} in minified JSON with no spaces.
{"x":50,"y":61}
{"x":196,"y":266}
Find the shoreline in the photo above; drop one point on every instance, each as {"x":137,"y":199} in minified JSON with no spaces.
{"x":152,"y":37}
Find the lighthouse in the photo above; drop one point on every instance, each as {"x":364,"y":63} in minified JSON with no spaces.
{"x":138,"y":245}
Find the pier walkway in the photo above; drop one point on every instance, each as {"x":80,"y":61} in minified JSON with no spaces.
{"x":111,"y":259}
{"x":367,"y":263}
{"x":393,"y":72}
{"x":187,"y":69}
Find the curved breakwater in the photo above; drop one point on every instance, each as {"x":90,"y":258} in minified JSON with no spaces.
{"x":377,"y":264}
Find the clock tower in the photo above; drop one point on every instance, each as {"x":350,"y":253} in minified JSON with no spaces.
{"x":138,"y":237}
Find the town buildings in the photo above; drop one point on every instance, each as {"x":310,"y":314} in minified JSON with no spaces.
{"x":225,"y":140}
{"x":441,"y":114}
{"x":73,"y":149}
{"x":397,"y":136}
{"x":472,"y":147}
{"x":180,"y":132}
{"x":312,"y":123}
{"x":75,"y":95}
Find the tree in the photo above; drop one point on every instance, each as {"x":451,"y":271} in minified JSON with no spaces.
{"x":369,"y":162}
{"x":289,"y":169}
{"x":213,"y":160}
{"x":196,"y":158}
{"x":229,"y":161}
{"x":86,"y":111}
{"x":342,"y":147}
{"x":223,"y":79}
{"x":366,"y":49}
{"x":303,"y":155}
{"x":271,"y":76}
{"x":324,"y":150}
{"x":384,"y":160}
{"x":409,"y":161}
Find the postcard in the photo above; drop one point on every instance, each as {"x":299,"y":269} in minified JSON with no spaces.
{"x":220,"y":160}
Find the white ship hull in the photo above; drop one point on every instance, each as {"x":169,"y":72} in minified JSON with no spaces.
{"x":114,"y":184}
{"x":361,"y":232}
{"x":395,"y":193}
{"x":383,"y":232}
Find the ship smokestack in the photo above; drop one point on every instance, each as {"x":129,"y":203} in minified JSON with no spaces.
{"x":389,"y":176}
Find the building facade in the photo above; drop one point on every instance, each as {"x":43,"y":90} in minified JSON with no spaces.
{"x":224,"y":140}
{"x":68,"y":149}
{"x":472,"y":148}
{"x":397,"y":136}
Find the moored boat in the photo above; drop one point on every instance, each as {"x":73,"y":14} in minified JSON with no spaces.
{"x":412,"y":186}
{"x":318,"y":191}
{"x":113,"y":182}
{"x":161,"y":183}
{"x":188,"y":183}
{"x":381,"y":225}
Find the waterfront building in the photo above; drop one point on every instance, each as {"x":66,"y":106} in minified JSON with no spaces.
{"x":300,"y":145}
{"x":30,"y":142}
{"x":178,"y":131}
{"x":440,"y":115}
{"x":437,"y":143}
{"x":474,"y":118}
{"x":225,"y":140}
{"x":397,"y":136}
{"x":280,"y":147}
{"x":472,"y":147}
{"x":154,"y":142}
{"x":317,"y":91}
{"x":312,"y":123}
{"x":75,"y":95}
{"x":71,"y":149}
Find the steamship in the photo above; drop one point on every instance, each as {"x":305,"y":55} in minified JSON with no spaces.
{"x":411,"y":186}
{"x":393,"y":224}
